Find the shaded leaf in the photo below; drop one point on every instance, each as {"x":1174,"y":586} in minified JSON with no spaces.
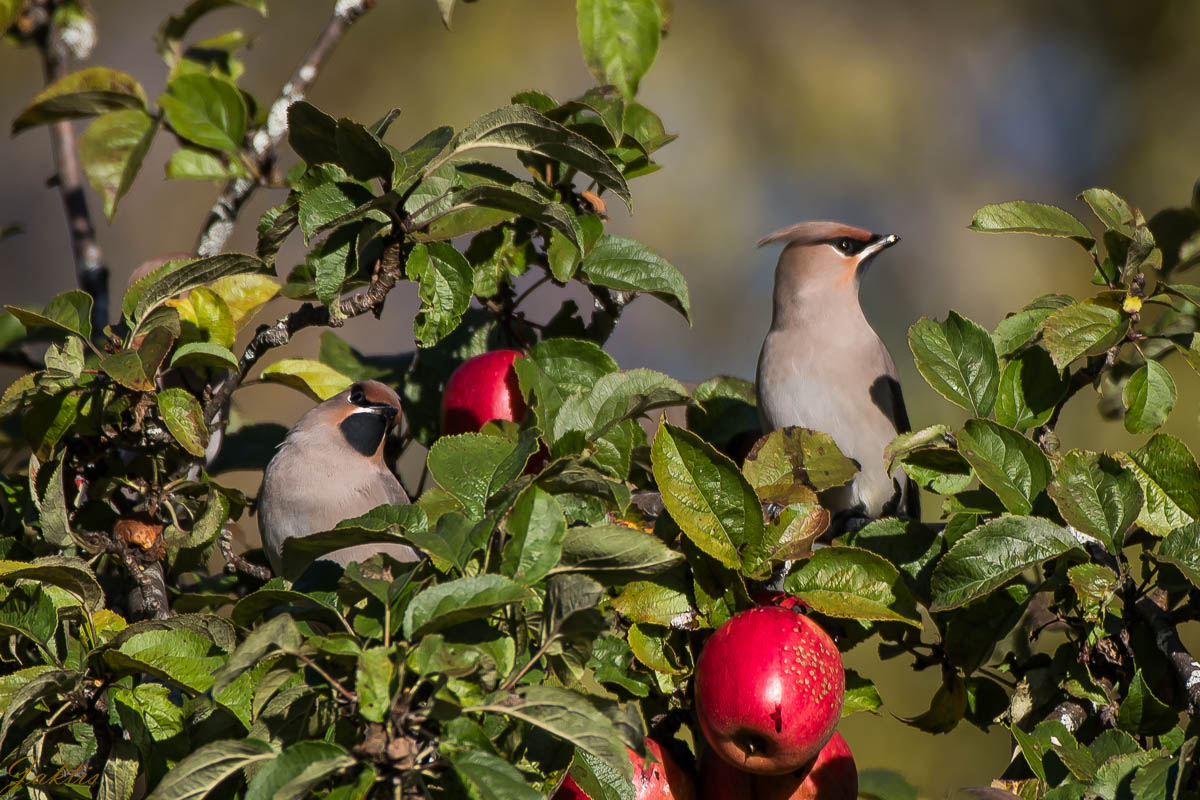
{"x":184,"y":418}
{"x":443,"y":279}
{"x":1095,"y":495}
{"x":200,"y":772}
{"x":1082,"y":329}
{"x":455,"y":601}
{"x":112,"y":149}
{"x":85,"y":93}
{"x":1149,"y":396}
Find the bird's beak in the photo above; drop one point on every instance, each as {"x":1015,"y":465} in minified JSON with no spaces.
{"x":382,"y":409}
{"x":883,"y":243}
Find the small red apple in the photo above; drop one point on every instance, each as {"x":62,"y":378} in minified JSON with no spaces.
{"x":482,"y":389}
{"x":769,"y":686}
{"x":657,"y":777}
{"x":832,"y":776}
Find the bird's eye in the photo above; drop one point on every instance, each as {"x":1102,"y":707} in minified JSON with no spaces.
{"x":845,"y":245}
{"x":357,"y":396}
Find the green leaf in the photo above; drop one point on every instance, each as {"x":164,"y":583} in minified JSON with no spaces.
{"x":1168,"y":475}
{"x":70,"y":311}
{"x":798,"y":455}
{"x":278,"y":634}
{"x":1110,"y":209}
{"x":567,"y":716}
{"x":206,"y":110}
{"x":619,"y":39}
{"x":707,"y":496}
{"x":312,"y":133}
{"x":611,"y":660}
{"x":112,"y":149}
{"x":190,"y":163}
{"x":523,"y":129}
{"x":615,"y":550}
{"x":606,"y":102}
{"x":85,"y":93}
{"x":523,"y":199}
{"x":1016,"y":330}
{"x":1030,"y":387}
{"x":485,"y":776}
{"x":1181,"y":548}
{"x":1143,"y":713}
{"x":723,"y":407}
{"x":970,"y":634}
{"x":628,"y":265}
{"x":203,"y":355}
{"x":1149,"y":396}
{"x":957,"y":358}
{"x":474,"y":466}
{"x":176,"y":277}
{"x":70,"y":574}
{"x":615,"y":397}
{"x":556,"y":368}
{"x":1021,"y":216}
{"x":1006,"y":462}
{"x":27,"y":610}
{"x":332,"y":261}
{"x":1096,"y":495}
{"x":459,"y":600}
{"x":184,"y":418}
{"x":407,"y":165}
{"x":328,"y":204}
{"x":295,"y":772}
{"x":661,"y":602}
{"x":361,"y":152}
{"x":993,"y":554}
{"x":854,"y":584}
{"x":138,"y":369}
{"x":861,"y":695}
{"x":1082,"y":329}
{"x":535,"y":527}
{"x":373,"y":681}
{"x":311,"y":377}
{"x":169,"y":35}
{"x":202,"y":771}
{"x":443,"y":279}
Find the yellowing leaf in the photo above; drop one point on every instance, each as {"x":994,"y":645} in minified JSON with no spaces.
{"x":311,"y":377}
{"x":244,"y":294}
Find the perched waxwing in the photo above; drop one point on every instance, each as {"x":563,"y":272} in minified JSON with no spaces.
{"x":330,"y":468}
{"x":822,"y":366}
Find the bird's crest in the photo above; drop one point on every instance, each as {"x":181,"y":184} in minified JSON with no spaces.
{"x":811,"y":232}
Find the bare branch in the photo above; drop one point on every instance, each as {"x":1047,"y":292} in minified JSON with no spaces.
{"x":224,"y":213}
{"x":90,"y":272}
{"x":1186,"y":668}
{"x":268,"y":337}
{"x":236,"y":562}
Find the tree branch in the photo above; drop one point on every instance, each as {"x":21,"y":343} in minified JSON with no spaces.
{"x":1186,"y":668}
{"x":225,"y":210}
{"x":308,"y":315}
{"x":90,"y":272}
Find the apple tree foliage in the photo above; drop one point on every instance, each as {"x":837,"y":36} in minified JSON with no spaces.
{"x":557,"y":615}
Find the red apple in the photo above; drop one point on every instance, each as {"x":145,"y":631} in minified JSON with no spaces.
{"x":770,"y":597}
{"x":657,"y":777}
{"x":769,"y":687}
{"x":482,"y":389}
{"x":832,"y":776}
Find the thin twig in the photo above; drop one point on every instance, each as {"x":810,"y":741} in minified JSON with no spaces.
{"x":224,"y":213}
{"x":351,"y":696}
{"x":308,"y":315}
{"x":90,"y":272}
{"x":236,"y":562}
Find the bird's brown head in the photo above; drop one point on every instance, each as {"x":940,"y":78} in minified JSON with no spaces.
{"x":361,"y":416}
{"x":820,"y":257}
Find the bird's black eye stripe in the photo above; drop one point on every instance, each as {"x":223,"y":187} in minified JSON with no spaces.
{"x":847,"y":246}
{"x":357,"y":396}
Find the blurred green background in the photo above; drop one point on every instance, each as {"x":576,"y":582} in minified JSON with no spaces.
{"x":899,"y":117}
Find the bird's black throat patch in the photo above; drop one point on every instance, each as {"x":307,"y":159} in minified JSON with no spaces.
{"x":364,"y":431}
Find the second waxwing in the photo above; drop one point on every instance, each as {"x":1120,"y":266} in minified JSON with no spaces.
{"x":822,"y":365}
{"x":331,"y":468}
